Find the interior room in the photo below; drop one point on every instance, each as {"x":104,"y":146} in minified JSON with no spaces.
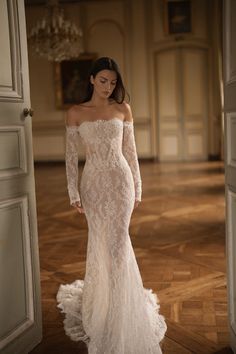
{"x":174,"y":80}
{"x":170,"y":55}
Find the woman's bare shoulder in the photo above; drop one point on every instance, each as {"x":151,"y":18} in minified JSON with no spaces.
{"x":74,"y":115}
{"x":126,"y":109}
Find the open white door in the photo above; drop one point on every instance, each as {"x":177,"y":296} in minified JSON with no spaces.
{"x":229,"y":60}
{"x":20,"y":305}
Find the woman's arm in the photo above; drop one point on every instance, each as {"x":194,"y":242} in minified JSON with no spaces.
{"x":71,"y":157}
{"x":130,"y":152}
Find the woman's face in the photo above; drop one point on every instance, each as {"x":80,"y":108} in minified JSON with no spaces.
{"x":104,"y":82}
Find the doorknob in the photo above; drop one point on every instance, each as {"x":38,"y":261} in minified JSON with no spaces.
{"x":28,"y":111}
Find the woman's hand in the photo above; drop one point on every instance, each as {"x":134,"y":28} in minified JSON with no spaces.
{"x":136,"y":203}
{"x":79,"y":207}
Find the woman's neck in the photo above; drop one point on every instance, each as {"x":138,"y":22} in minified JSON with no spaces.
{"x":99,"y":101}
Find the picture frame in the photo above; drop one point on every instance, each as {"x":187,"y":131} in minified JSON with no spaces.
{"x":70,"y":77}
{"x":178,"y":16}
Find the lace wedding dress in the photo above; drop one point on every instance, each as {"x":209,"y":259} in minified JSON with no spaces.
{"x":109,"y":310}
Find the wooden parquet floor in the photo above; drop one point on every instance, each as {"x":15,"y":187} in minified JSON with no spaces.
{"x":178,"y":235}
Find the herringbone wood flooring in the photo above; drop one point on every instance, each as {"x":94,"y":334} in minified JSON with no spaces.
{"x":178,"y":235}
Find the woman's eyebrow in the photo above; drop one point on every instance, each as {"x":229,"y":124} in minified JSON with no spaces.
{"x":102,"y":77}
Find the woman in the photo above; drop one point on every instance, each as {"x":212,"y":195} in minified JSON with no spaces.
{"x":109,"y":310}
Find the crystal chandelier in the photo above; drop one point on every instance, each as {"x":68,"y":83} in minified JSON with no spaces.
{"x":55,"y":38}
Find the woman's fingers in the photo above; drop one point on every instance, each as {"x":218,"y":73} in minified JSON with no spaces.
{"x":79,"y":207}
{"x":80,"y":210}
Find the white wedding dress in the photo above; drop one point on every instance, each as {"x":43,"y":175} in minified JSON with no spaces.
{"x":109,"y":310}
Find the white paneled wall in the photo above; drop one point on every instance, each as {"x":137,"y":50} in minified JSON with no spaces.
{"x":174,"y":91}
{"x":112,"y":31}
{"x":168,"y":105}
{"x":195,"y":98}
{"x":181,"y":100}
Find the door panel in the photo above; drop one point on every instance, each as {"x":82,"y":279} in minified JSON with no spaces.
{"x":194,"y":98}
{"x":10,"y":78}
{"x":20,"y":305}
{"x":182,"y":103}
{"x":12,"y":142}
{"x":229,"y":61}
{"x":16,"y":275}
{"x":168,"y":105}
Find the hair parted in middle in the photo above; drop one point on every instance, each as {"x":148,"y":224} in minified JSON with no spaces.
{"x":105,"y":63}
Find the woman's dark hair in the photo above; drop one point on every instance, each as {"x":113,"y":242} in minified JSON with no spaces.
{"x":105,"y":63}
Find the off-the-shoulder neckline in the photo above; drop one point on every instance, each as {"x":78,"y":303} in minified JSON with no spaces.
{"x":99,"y":120}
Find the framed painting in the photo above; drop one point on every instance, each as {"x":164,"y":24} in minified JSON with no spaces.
{"x":70,"y":78}
{"x":178,"y":16}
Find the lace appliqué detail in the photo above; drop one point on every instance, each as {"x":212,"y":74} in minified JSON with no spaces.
{"x":110,"y":310}
{"x":130,"y":153}
{"x":71,"y":159}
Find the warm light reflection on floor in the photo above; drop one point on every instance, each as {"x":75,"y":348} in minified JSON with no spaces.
{"x":178,"y":235}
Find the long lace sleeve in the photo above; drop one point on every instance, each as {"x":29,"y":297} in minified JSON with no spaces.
{"x":71,"y":158}
{"x":130,"y":153}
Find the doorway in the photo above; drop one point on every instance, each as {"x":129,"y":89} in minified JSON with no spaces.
{"x":182,"y":103}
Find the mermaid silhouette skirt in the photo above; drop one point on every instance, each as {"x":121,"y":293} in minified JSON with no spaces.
{"x":110,"y":310}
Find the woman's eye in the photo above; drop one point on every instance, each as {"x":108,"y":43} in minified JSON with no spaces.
{"x":103,"y":82}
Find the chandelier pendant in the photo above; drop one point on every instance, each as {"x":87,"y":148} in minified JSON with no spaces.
{"x":55,"y":38}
